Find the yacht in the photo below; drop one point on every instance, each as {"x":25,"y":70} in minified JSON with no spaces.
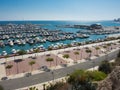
{"x":10,"y":42}
{"x":14,"y":51}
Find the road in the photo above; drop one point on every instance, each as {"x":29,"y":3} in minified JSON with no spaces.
{"x":47,"y":76}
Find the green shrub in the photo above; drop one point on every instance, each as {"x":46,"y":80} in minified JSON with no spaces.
{"x":96,"y":75}
{"x":33,"y":88}
{"x":79,"y":80}
{"x":93,"y":75}
{"x":105,"y":67}
{"x":77,"y":73}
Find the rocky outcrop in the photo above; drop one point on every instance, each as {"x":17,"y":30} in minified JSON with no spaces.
{"x":112,"y":82}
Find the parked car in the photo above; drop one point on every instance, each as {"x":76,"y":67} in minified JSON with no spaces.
{"x":4,"y":78}
{"x":45,"y":68}
{"x":64,"y":65}
{"x":27,"y":74}
{"x":47,"y":54}
{"x":34,"y":57}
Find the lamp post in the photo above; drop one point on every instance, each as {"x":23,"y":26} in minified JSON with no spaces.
{"x":107,"y":56}
{"x":52,"y":72}
{"x":56,"y":61}
{"x":93,"y":64}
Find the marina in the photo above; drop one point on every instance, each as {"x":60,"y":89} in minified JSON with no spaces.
{"x":44,"y":35}
{"x":59,"y":45}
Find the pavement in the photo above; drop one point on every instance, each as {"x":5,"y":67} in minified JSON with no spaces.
{"x":2,"y":71}
{"x":21,"y":82}
{"x":55,"y":52}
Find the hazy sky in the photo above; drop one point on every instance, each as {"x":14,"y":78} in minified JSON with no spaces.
{"x":59,"y":9}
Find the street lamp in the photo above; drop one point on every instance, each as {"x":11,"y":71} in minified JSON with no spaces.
{"x":93,"y":64}
{"x":52,"y":72}
{"x":106,"y":56}
{"x":56,"y":61}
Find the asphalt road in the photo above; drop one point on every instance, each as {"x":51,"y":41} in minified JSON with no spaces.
{"x":47,"y":76}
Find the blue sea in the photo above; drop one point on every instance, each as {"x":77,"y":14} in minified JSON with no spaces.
{"x":51,"y":25}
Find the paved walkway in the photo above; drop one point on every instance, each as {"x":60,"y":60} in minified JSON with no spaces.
{"x":2,"y":70}
{"x":55,"y":52}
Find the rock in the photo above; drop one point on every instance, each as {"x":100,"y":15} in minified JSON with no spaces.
{"x":112,"y":82}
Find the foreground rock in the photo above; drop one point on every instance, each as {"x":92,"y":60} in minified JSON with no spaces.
{"x":112,"y":82}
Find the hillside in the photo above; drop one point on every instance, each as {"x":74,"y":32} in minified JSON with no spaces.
{"x":112,"y":82}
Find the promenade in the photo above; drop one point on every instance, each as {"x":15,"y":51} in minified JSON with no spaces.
{"x":18,"y":80}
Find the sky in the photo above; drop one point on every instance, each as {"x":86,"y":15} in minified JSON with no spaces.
{"x":84,"y":10}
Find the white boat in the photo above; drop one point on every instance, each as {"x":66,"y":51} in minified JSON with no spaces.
{"x":31,"y":50}
{"x":22,"y":42}
{"x":10,"y":42}
{"x":14,"y":51}
{"x":27,"y":51}
{"x":4,"y":53}
{"x":18,"y":42}
{"x":37,"y":39}
{"x":2,"y":43}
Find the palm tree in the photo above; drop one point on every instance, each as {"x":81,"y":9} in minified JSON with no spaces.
{"x":9,"y":67}
{"x":97,"y":48}
{"x":76,"y":53}
{"x":22,"y":52}
{"x":49,"y":60}
{"x":89,"y":51}
{"x":6,"y":56}
{"x":105,"y":47}
{"x":109,"y":44}
{"x":44,"y":86}
{"x":69,"y":45}
{"x":14,"y":52}
{"x":14,"y":56}
{"x":31,"y":63}
{"x":18,"y":61}
{"x":66,"y":56}
{"x":36,"y":51}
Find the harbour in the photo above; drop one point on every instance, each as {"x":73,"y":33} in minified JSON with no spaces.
{"x":29,"y":35}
